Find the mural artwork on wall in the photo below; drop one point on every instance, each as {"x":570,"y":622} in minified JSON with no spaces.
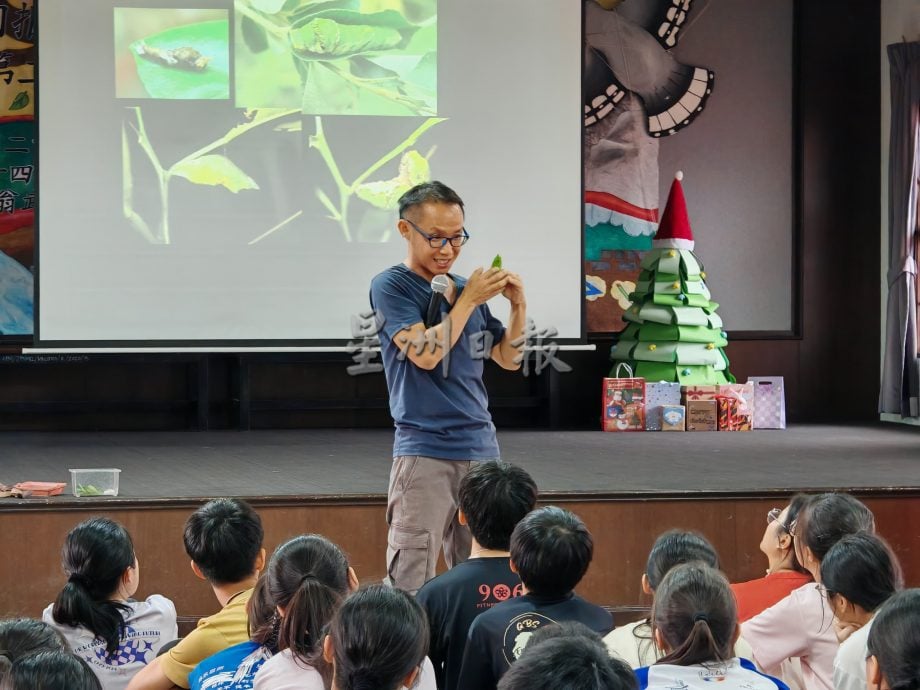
{"x":17,"y":166}
{"x":636,"y":92}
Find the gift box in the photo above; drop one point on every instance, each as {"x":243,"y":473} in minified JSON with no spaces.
{"x":743,"y":412}
{"x":657,"y":395}
{"x":730,"y":416}
{"x":623,"y":402}
{"x":769,"y":402}
{"x":702,"y":415}
{"x":673,"y":417}
{"x":691,"y":393}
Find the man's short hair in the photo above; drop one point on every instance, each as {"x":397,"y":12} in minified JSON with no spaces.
{"x":568,"y":662}
{"x":551,"y":549}
{"x":494,"y":497}
{"x":428,"y":192}
{"x":224,"y":537}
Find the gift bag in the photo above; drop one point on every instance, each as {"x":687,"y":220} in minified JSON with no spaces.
{"x":741,"y":415}
{"x":623,"y":402}
{"x":657,"y":395}
{"x":769,"y":402}
{"x":698,"y":393}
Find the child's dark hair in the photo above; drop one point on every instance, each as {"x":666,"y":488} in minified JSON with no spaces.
{"x":567,"y":662}
{"x":263,"y":622}
{"x":24,"y":636}
{"x":96,"y":554}
{"x":551,"y":549}
{"x":494,"y":497}
{"x":675,"y":547}
{"x":224,"y":537}
{"x":863,"y":568}
{"x":307,"y":577}
{"x":694,"y":612}
{"x":796,"y":504}
{"x":825,"y":518}
{"x":379,"y":635}
{"x":894,"y":640}
{"x":51,"y":671}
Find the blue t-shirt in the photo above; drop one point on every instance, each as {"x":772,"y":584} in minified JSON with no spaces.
{"x":442,"y":413}
{"x":233,"y":668}
{"x":734,"y":674}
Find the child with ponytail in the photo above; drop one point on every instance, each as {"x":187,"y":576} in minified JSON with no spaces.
{"x":695,"y":624}
{"x":95,"y":612}
{"x":894,"y":644}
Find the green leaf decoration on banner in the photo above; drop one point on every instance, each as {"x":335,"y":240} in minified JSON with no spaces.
{"x":413,"y":170}
{"x":21,"y":101}
{"x":210,"y":39}
{"x":326,"y":39}
{"x":214,"y":170}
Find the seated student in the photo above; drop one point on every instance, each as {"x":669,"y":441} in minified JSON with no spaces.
{"x":235,"y":667}
{"x":377,"y":640}
{"x":50,"y":671}
{"x":23,"y":637}
{"x":894,"y":644}
{"x":550,"y":549}
{"x":567,"y":656}
{"x":307,"y":579}
{"x":633,"y":642}
{"x":784,"y":572}
{"x":798,"y":626}
{"x":224,"y":540}
{"x":695,"y":623}
{"x":494,"y":497}
{"x":95,"y":612}
{"x":858,"y":574}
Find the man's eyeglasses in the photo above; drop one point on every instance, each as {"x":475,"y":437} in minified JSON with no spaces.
{"x":436,"y":242}
{"x":773,"y":516}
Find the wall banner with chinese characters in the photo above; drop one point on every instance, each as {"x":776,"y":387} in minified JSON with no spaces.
{"x":17,"y":167}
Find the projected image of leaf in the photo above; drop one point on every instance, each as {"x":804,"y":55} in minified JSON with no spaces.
{"x":214,"y":170}
{"x":334,"y":57}
{"x":185,"y":62}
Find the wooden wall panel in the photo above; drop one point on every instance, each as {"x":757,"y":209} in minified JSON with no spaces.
{"x":624,"y":530}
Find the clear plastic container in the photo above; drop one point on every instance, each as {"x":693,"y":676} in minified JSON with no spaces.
{"x":95,"y":482}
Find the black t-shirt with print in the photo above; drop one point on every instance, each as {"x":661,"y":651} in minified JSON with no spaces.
{"x":498,"y":636}
{"x":453,"y":600}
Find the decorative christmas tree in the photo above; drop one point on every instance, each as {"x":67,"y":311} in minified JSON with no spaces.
{"x":673,"y":332}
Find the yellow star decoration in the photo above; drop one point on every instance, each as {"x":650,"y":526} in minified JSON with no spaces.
{"x":702,"y":274}
{"x":710,"y":346}
{"x":672,"y":253}
{"x":676,"y":286}
{"x":653,"y":347}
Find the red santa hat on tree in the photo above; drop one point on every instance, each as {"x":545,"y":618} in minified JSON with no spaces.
{"x":674,"y":229}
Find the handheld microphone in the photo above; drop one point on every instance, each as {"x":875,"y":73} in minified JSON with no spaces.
{"x":439,"y":285}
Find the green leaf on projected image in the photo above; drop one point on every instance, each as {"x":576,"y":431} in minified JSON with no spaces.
{"x":336,"y":33}
{"x":267,"y":6}
{"x":413,"y":170}
{"x":214,"y":170}
{"x":325,"y":92}
{"x":170,"y":81}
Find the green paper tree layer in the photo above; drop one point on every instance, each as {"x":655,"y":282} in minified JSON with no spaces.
{"x":673,"y":332}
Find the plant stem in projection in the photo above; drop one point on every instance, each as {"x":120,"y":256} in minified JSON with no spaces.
{"x":413,"y":169}
{"x":200,"y":167}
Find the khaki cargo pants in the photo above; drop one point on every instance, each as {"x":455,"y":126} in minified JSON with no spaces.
{"x":422,"y":516}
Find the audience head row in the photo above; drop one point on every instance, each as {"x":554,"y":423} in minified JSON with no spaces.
{"x":34,"y":656}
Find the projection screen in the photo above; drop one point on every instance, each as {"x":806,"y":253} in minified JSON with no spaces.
{"x":225,"y":172}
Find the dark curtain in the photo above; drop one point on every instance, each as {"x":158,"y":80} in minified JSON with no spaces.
{"x":900,"y":369}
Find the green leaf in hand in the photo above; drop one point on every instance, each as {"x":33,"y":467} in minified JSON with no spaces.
{"x":497,"y":262}
{"x":214,"y":170}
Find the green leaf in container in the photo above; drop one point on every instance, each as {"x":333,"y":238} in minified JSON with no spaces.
{"x":214,"y":170}
{"x":21,"y":101}
{"x":413,"y":169}
{"x":326,"y":39}
{"x":209,"y":39}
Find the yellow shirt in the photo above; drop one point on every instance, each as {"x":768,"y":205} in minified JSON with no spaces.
{"x":227,"y":627}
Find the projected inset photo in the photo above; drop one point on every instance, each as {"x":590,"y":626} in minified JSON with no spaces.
{"x":337,"y":57}
{"x":172,"y":53}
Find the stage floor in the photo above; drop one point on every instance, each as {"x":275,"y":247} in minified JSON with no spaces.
{"x":346,"y":463}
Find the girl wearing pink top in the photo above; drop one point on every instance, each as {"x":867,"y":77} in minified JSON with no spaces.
{"x":802,"y":625}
